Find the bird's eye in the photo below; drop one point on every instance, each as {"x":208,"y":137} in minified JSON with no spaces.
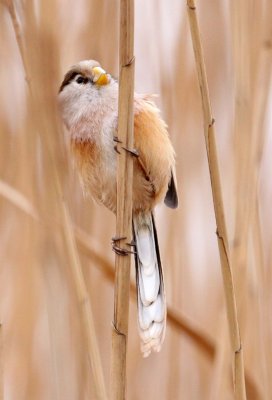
{"x":80,"y":80}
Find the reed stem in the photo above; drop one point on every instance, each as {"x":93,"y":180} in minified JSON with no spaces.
{"x":222,"y":237}
{"x":124,"y":201}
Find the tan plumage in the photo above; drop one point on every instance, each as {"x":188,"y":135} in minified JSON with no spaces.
{"x":89,"y":104}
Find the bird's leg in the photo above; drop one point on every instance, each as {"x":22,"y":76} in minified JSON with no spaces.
{"x":115,"y":148}
{"x":132,"y":244}
{"x":116,"y":239}
{"x":133,"y":152}
{"x":119,"y":250}
{"x":115,"y":139}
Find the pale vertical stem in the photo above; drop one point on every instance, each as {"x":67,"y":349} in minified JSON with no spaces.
{"x":209,"y":131}
{"x":124,"y":201}
{"x":85,"y":308}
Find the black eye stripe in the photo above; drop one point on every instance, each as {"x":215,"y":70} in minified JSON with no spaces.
{"x":82,"y":80}
{"x":70,"y":76}
{"x":67,"y":79}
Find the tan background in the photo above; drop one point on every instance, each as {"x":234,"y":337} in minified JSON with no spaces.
{"x":43,"y":352}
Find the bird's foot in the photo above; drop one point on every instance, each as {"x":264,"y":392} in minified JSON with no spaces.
{"x":119,"y":250}
{"x":117,"y":239}
{"x":115,"y":139}
{"x":115,"y":148}
{"x":133,"y":152}
{"x":122,"y":252}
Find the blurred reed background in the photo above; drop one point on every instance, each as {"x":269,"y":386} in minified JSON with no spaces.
{"x":44,"y":346}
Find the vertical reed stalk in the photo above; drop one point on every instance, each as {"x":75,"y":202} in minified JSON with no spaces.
{"x":209,"y":131}
{"x":124,"y":201}
{"x":85,"y":308}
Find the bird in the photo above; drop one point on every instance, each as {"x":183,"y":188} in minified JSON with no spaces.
{"x":88,"y":101}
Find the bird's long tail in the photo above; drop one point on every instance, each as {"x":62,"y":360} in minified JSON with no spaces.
{"x":150,"y":286}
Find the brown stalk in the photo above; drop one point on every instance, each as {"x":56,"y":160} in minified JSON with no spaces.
{"x":209,"y":131}
{"x":124,"y":201}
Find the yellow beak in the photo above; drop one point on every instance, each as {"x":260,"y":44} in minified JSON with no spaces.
{"x":100,"y":77}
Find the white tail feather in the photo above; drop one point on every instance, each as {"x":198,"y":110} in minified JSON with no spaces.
{"x":150,"y":294}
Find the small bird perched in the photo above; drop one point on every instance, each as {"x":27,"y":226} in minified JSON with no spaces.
{"x":88,"y":99}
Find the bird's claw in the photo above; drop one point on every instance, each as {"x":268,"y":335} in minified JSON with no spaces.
{"x":115,"y":139}
{"x":132,"y":244}
{"x":133,"y":152}
{"x":122,"y":252}
{"x":119,"y":250}
{"x":116,"y":239}
{"x":115,"y":148}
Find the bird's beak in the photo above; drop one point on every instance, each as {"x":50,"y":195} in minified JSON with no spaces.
{"x":100,"y":77}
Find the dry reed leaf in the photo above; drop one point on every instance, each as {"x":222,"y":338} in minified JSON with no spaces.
{"x":18,"y":199}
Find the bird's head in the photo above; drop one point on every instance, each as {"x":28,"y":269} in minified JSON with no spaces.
{"x":83,"y":75}
{"x":85,"y":84}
